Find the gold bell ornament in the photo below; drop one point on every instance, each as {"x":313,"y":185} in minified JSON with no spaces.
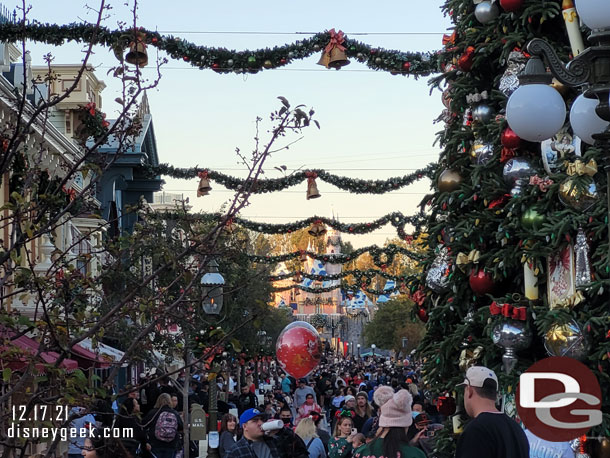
{"x":317,"y":229}
{"x":137,"y":54}
{"x":312,"y":188}
{"x":204,"y":187}
{"x":334,"y":55}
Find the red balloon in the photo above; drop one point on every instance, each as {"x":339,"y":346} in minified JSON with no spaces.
{"x":481,"y":282}
{"x":511,"y":5}
{"x":299,"y":349}
{"x":423,"y":315}
{"x":510,"y":139}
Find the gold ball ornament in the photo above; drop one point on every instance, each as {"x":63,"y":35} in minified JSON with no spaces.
{"x":580,"y":193}
{"x":449,"y":180}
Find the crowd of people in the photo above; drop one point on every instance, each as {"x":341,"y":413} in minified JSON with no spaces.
{"x":373,"y":407}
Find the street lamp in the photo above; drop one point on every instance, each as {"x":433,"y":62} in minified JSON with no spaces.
{"x":212,"y":288}
{"x":590,"y":113}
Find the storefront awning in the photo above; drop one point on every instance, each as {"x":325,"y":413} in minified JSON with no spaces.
{"x":103,"y":351}
{"x":17,"y":360}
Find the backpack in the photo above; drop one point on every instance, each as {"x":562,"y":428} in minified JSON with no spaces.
{"x":166,"y":427}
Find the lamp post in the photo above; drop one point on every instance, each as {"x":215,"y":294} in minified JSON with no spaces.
{"x":590,"y":70}
{"x":212,"y":284}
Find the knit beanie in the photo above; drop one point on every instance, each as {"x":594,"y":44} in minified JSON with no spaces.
{"x":382,"y":395}
{"x":397,"y":411}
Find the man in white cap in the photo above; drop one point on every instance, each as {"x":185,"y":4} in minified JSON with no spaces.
{"x":491,"y":434}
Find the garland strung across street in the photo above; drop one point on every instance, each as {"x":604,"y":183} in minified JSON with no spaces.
{"x":223,"y":60}
{"x":357,"y":273}
{"x":381,"y":255}
{"x":317,"y":223}
{"x":353,"y":185}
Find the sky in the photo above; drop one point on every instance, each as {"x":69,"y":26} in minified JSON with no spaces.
{"x":373,"y":125}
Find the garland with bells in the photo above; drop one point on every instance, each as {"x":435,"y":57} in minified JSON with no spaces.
{"x":396,"y":219}
{"x":380,"y":255}
{"x":353,"y":185}
{"x":222,"y":60}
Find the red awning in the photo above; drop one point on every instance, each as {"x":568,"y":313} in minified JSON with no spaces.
{"x":87,"y":358}
{"x":17,"y":360}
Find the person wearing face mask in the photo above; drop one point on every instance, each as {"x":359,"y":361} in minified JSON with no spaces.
{"x":308,"y":406}
{"x":289,"y":444}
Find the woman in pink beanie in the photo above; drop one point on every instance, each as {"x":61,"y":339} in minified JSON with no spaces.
{"x":391,"y":441}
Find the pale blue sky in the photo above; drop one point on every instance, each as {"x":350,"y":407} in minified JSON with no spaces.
{"x":369,"y":120}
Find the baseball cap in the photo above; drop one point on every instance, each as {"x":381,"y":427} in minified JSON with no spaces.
{"x":249,"y":415}
{"x":477,"y":375}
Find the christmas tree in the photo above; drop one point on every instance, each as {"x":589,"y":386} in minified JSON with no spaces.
{"x":517,"y":231}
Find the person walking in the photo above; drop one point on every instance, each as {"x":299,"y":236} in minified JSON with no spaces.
{"x":163,"y":426}
{"x":391,"y":440}
{"x":306,"y":430}
{"x":254,"y":443}
{"x":228,"y":434}
{"x":491,"y":433}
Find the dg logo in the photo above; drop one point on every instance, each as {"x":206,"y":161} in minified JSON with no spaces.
{"x":559,"y":399}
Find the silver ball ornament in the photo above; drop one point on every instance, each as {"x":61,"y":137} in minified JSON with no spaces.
{"x":482,"y":113}
{"x":486,"y":12}
{"x":512,"y":336}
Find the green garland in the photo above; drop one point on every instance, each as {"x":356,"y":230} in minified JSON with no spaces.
{"x":354,"y":185}
{"x":223,"y":60}
{"x":377,"y":253}
{"x":357,"y":273}
{"x":397,"y":219}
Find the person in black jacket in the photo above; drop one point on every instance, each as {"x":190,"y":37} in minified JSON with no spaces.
{"x":129,"y":417}
{"x":162,"y":448}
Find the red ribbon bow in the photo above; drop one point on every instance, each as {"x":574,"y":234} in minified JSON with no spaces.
{"x":507,"y":153}
{"x":543,"y":183}
{"x":509,"y":311}
{"x":336,"y":41}
{"x":311,"y":176}
{"x":203,"y":174}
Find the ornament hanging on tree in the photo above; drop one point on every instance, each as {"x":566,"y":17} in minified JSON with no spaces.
{"x":567,"y":340}
{"x":582,"y":264}
{"x":449,"y":180}
{"x":437,"y":278}
{"x":580,"y":193}
{"x":510,"y":6}
{"x":486,"y":12}
{"x":481,"y":152}
{"x":516,"y":173}
{"x":466,"y":60}
{"x":560,"y":281}
{"x":481,"y":282}
{"x":512,"y":336}
{"x":510,"y":81}
{"x":482,"y":113}
{"x":570,"y":17}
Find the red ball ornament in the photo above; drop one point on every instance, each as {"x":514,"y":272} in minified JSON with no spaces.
{"x":481,"y":282}
{"x":423,"y":315}
{"x":466,"y":60}
{"x":510,"y":139}
{"x":299,"y":349}
{"x":511,"y":6}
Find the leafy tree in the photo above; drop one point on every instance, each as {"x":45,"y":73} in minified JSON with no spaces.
{"x":393,"y":322}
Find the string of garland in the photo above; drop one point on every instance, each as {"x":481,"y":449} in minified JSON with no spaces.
{"x":357,"y":273}
{"x":347,"y":287}
{"x":380,"y":255}
{"x":353,"y":185}
{"x":397,"y":219}
{"x":224,"y":60}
